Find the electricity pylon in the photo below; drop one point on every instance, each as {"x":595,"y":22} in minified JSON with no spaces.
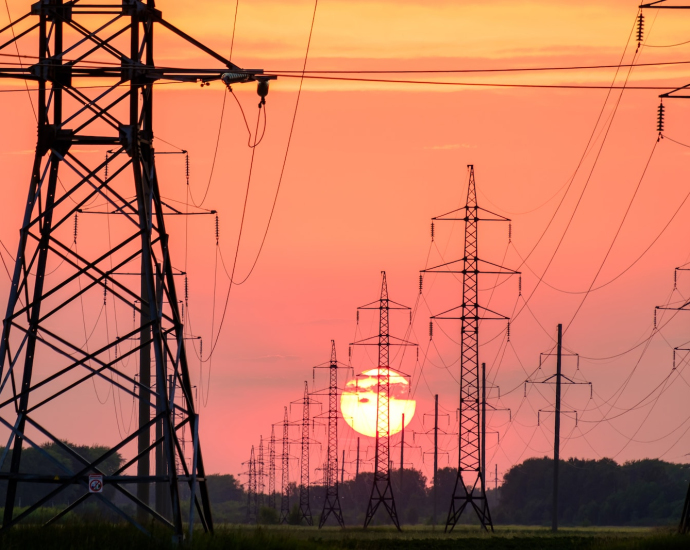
{"x":272,"y":469}
{"x":304,"y":506}
{"x":684,"y":524}
{"x":471,"y":491}
{"x":251,"y":489}
{"x":680,"y":93}
{"x":331,"y":503}
{"x":260,"y":477}
{"x":111,"y":44}
{"x":381,"y":490}
{"x":285,"y":477}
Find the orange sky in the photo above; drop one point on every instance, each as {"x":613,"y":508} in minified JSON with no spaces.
{"x":370,"y":164}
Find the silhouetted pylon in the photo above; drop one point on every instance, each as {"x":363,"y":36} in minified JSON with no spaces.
{"x":272,"y":469}
{"x":470,"y":491}
{"x":381,"y":491}
{"x":331,"y":503}
{"x":304,"y":506}
{"x":285,"y":460}
{"x":251,"y":489}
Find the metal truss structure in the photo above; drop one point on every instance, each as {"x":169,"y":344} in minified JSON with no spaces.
{"x":470,"y":487}
{"x":260,"y":485}
{"x":285,"y":474}
{"x":331,"y":503}
{"x":381,"y":490}
{"x":684,"y":524}
{"x":272,"y":469}
{"x":677,"y":93}
{"x":251,"y":489}
{"x":306,"y":442}
{"x":95,"y":74}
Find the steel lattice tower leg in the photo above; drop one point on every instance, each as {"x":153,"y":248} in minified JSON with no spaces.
{"x":684,"y":527}
{"x":381,"y":491}
{"x":272,"y":469}
{"x":39,"y":348}
{"x":304,"y":508}
{"x":285,"y":459}
{"x":331,"y":503}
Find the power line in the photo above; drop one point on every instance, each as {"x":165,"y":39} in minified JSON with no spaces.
{"x":482,"y":70}
{"x":480,"y":84}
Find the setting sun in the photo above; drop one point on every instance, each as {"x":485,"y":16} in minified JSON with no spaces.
{"x":358,"y":402}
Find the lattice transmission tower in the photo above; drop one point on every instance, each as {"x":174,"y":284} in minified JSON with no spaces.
{"x":684,"y":524}
{"x":260,"y":485}
{"x":94,"y":71}
{"x":678,"y":93}
{"x":251,"y":488}
{"x":306,"y":443}
{"x":331,"y":503}
{"x":272,"y":469}
{"x":470,"y":486}
{"x":381,"y":490}
{"x":285,"y":473}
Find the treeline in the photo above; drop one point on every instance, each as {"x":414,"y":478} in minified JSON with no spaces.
{"x":592,"y":492}
{"x":595,"y":492}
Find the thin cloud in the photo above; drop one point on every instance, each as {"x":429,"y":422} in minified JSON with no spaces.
{"x":327,"y":322}
{"x":273,"y":358}
{"x":450,"y":146}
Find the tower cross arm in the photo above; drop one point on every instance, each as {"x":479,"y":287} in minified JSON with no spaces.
{"x":501,"y":269}
{"x":445,"y":218}
{"x":498,"y":316}
{"x":661,"y":5}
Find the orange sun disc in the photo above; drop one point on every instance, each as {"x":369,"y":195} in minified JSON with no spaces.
{"x":358,"y":401}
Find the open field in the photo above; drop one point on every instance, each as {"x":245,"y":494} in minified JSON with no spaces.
{"x":116,"y":537}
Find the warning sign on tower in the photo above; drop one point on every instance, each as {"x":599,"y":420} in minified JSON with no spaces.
{"x":95,"y":483}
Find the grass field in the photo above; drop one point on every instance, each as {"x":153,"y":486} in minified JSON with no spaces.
{"x":118,"y":537}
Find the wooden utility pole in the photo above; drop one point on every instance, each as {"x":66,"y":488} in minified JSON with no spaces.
{"x":483,"y":414}
{"x":402,"y":451}
{"x":435,"y":457}
{"x":357,"y":467}
{"x":557,"y":432}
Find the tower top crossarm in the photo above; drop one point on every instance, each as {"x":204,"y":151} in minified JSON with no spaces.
{"x":471,"y":209}
{"x":99,"y":52}
{"x":682,"y":91}
{"x":664,"y":5}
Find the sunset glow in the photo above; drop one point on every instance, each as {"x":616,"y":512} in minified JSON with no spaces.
{"x":358,"y":402}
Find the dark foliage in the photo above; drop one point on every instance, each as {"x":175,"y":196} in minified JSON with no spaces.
{"x":51,"y":460}
{"x":594,"y":492}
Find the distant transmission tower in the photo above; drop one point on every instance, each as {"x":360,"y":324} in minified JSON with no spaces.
{"x":77,"y":44}
{"x":304,"y":506}
{"x":272,"y":469}
{"x":381,"y":490}
{"x":470,"y":491}
{"x":251,"y":489}
{"x":285,"y":460}
{"x":260,"y":476}
{"x":331,"y":503}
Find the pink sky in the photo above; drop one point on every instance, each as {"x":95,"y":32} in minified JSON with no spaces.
{"x":370,"y":164}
